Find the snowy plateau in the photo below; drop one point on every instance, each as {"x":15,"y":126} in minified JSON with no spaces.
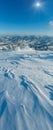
{"x":26,"y":82}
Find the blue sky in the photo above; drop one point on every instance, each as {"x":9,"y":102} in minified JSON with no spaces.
{"x":24,"y":17}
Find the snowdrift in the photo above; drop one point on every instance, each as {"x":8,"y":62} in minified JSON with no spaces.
{"x":26,"y":90}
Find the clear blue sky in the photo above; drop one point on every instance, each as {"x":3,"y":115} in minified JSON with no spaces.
{"x":22,"y":16}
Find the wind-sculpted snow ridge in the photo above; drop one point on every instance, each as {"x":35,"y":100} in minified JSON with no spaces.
{"x":16,"y":42}
{"x":26,"y":90}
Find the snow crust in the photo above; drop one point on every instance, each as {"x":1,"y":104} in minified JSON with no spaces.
{"x":26,"y":90}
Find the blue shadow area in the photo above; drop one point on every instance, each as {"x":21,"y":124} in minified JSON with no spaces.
{"x":50,"y":88}
{"x":2,"y":107}
{"x":23,"y":82}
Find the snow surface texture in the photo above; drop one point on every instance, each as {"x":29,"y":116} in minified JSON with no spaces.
{"x":26,"y":90}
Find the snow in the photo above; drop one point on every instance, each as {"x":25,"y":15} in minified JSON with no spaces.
{"x":26,"y":90}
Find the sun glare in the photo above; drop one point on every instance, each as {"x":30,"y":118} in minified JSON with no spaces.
{"x":38,"y":4}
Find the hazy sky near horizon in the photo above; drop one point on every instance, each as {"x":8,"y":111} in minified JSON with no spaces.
{"x":26,"y":16}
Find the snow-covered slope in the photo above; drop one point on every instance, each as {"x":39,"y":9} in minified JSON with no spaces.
{"x":26,"y":90}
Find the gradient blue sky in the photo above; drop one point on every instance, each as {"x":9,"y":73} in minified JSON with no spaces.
{"x":20,"y":16}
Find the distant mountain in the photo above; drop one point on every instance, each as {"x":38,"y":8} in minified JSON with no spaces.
{"x":13,"y":42}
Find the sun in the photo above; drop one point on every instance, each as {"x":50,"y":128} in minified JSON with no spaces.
{"x":38,"y":4}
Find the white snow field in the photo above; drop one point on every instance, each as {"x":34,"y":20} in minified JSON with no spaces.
{"x":26,"y":90}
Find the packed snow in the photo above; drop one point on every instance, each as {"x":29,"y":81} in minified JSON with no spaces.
{"x":26,"y":90}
